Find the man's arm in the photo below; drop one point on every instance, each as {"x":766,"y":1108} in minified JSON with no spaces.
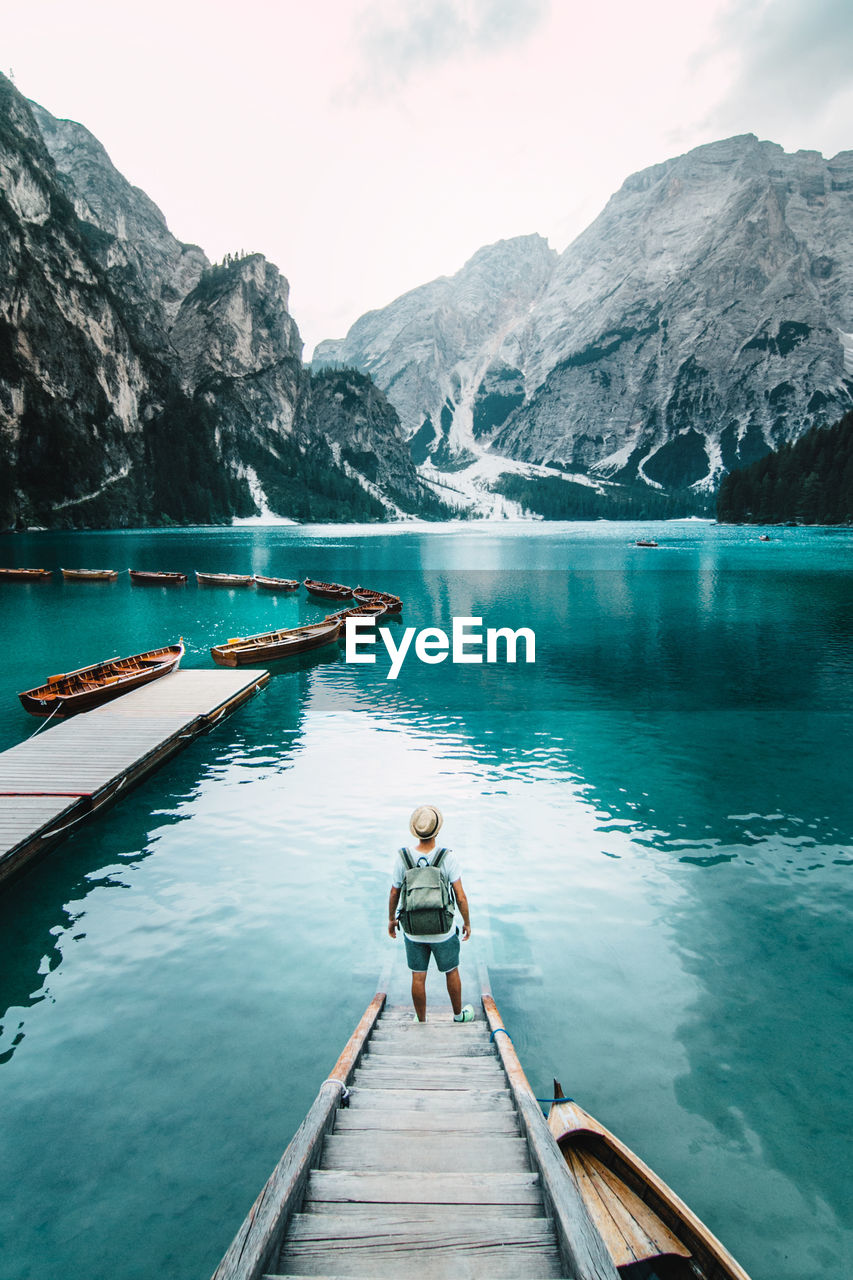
{"x":393,"y":922}
{"x":462,"y":904}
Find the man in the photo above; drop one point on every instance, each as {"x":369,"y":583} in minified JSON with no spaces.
{"x":425,"y":824}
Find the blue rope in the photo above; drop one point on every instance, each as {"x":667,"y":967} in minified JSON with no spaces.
{"x":509,"y":1038}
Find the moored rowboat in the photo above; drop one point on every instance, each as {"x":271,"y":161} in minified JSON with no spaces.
{"x":88,"y":687}
{"x":360,"y":611}
{"x":90,"y":575}
{"x":328,"y":590}
{"x":25,"y":575}
{"x":639,"y":1217}
{"x":393,"y":604}
{"x":277,"y":584}
{"x":269,"y":646}
{"x":223,"y":579}
{"x":146,"y":577}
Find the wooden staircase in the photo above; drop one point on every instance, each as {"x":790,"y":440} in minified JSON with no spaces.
{"x":426,"y":1154}
{"x":427,"y":1171}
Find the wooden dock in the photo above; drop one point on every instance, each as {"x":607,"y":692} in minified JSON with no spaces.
{"x":425,"y":1153}
{"x":53,"y":782}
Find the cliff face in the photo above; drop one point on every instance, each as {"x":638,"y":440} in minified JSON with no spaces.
{"x":76,"y":385}
{"x":700,"y":320}
{"x":140,"y":384}
{"x":448,"y":353}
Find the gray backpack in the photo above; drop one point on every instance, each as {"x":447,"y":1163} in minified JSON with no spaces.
{"x":427,"y":904}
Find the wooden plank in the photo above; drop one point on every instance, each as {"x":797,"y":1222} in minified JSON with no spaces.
{"x":456,"y":1121}
{"x":428,"y":1152}
{"x":582,"y":1249}
{"x":424,"y":1101}
{"x":644,"y":1233}
{"x":370,"y":1229}
{"x":435,"y":1051}
{"x":336,"y":1185}
{"x":259,"y":1236}
{"x":438,"y":1260}
{"x":396,"y":1216}
{"x":373,"y":1078}
{"x":609,"y":1230}
{"x":364,"y":1246}
{"x":419,"y":1062}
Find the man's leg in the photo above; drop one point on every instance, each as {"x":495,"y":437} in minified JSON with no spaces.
{"x":454,"y":989}
{"x":419,"y":994}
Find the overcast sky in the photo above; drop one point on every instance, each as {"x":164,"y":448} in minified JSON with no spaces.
{"x":368,"y":146}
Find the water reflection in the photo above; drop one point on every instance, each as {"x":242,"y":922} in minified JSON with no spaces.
{"x":652,"y":822}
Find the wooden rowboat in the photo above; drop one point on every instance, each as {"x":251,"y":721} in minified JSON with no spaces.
{"x":88,"y":687}
{"x":90,"y":575}
{"x":645,"y":542}
{"x":149,"y":578}
{"x":638,"y":1216}
{"x":328,"y":590}
{"x":393,"y":604}
{"x":25,"y":575}
{"x":360,"y":611}
{"x":277,"y":584}
{"x":224,"y":579}
{"x":272,"y":645}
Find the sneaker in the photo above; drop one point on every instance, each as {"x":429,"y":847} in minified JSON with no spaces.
{"x":415,"y":1018}
{"x":467,"y":1014}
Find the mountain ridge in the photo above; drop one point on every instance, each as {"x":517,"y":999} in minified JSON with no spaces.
{"x":700,"y":319}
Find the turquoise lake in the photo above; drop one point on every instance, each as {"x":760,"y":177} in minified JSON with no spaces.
{"x":654,"y":820}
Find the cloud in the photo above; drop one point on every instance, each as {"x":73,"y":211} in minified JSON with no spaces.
{"x":790,"y":60}
{"x":397,"y":40}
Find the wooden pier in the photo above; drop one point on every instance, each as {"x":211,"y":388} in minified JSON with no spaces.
{"x":56,"y":780}
{"x":424,"y":1154}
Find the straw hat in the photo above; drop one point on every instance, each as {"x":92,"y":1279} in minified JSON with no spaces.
{"x":426,"y":822}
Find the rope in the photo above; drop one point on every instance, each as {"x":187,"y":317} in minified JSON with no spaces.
{"x":44,"y":723}
{"x":544,"y":1100}
{"x":509,"y":1038}
{"x":502,"y":1029}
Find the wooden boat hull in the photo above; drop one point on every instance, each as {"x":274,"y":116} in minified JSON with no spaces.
{"x":360,"y":611}
{"x":392,"y":603}
{"x":90,"y":575}
{"x":144,"y":578}
{"x":277,"y":584}
{"x":328,"y":590}
{"x":25,"y":575}
{"x":224,"y":579}
{"x":271,"y":646}
{"x":639,"y":1217}
{"x":89,"y":687}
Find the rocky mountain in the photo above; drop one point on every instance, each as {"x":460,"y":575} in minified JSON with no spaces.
{"x":448,"y":353}
{"x":705,"y":316}
{"x":140,"y":384}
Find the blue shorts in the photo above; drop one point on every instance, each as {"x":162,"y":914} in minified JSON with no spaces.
{"x":446,"y":954}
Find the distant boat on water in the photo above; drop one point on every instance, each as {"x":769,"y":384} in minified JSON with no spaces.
{"x":328,"y":590}
{"x":645,"y":542}
{"x":25,"y":575}
{"x":224,"y":579}
{"x":277,"y":584}
{"x":392,"y":603}
{"x":148,"y":577}
{"x":90,"y":575}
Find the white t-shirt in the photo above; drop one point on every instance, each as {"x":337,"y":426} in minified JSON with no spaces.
{"x":451,"y":868}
